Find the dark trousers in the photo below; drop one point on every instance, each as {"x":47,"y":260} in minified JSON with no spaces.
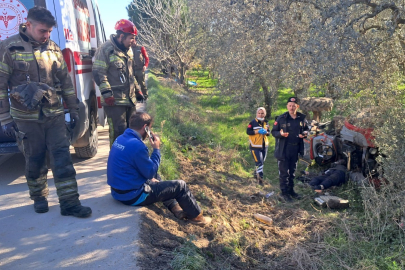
{"x":140,"y":78}
{"x":34,"y":140}
{"x":259,"y":155}
{"x":171,"y":193}
{"x":332,"y":178}
{"x":287,"y":167}
{"x":118,"y":120}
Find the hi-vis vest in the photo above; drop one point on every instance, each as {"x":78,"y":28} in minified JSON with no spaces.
{"x":256,"y":140}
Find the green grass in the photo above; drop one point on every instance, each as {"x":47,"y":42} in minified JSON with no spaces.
{"x":213,"y":120}
{"x":189,"y":257}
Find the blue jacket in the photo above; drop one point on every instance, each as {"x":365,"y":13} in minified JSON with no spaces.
{"x":129,"y":165}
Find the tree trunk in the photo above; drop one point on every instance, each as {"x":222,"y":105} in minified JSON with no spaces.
{"x":267,"y":99}
{"x":181,"y":72}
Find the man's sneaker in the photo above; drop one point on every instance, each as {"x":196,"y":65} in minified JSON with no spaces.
{"x":200,"y":220}
{"x":286,"y":197}
{"x":41,"y":205}
{"x":77,"y":211}
{"x":178,"y":212}
{"x":295,"y":195}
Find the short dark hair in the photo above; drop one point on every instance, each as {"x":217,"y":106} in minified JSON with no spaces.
{"x":139,"y":119}
{"x":41,"y":15}
{"x":119,"y":32}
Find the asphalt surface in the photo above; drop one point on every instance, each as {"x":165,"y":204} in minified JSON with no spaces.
{"x":106,"y":240}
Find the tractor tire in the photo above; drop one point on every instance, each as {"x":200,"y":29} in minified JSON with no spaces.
{"x":90,"y":150}
{"x":316,"y":104}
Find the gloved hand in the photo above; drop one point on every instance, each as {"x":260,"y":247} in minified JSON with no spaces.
{"x":262,"y":131}
{"x":145,"y":96}
{"x":10,"y":129}
{"x":139,"y":96}
{"x":74,"y":118}
{"x":110,"y":101}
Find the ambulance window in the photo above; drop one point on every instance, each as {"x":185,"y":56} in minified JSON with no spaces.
{"x":99,"y":28}
{"x":31,"y":3}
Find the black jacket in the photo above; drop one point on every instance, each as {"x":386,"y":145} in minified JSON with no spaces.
{"x":281,"y":123}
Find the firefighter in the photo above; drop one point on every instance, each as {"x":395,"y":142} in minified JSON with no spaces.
{"x":258,"y":130}
{"x":289,"y":129}
{"x":32,"y":67}
{"x":113,"y":73}
{"x":141,"y":62}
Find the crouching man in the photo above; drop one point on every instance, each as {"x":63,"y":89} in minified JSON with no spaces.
{"x":132,"y":174}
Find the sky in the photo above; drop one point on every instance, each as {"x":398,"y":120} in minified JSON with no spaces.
{"x":112,"y":11}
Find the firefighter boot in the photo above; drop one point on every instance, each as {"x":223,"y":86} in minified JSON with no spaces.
{"x":76,"y":211}
{"x":41,"y":205}
{"x":178,"y":212}
{"x":200,"y":220}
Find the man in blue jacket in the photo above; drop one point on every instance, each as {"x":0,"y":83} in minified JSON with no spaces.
{"x":289,"y":130}
{"x":132,"y":174}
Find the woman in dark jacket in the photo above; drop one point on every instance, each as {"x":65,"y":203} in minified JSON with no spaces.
{"x":258,"y":130}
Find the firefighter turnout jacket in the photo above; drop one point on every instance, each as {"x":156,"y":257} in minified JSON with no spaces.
{"x":141,"y":57}
{"x":257,"y":140}
{"x":113,"y":73}
{"x":24,"y":61}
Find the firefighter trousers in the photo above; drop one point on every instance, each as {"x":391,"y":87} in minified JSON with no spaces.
{"x":140,"y":78}
{"x":34,"y":140}
{"x":118,"y":120}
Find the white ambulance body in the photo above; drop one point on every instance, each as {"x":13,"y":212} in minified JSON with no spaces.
{"x":78,"y":33}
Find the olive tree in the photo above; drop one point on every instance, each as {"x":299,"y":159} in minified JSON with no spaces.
{"x":164,"y":28}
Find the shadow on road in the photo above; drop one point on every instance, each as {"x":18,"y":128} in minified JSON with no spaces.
{"x":106,"y":240}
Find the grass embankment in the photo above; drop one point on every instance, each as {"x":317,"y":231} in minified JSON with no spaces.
{"x":205,"y":143}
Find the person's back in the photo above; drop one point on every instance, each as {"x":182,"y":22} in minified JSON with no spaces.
{"x":129,"y":165}
{"x":132,"y":174}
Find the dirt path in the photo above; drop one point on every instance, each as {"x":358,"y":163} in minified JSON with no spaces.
{"x":106,"y":240}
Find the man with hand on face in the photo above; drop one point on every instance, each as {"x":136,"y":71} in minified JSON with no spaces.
{"x":132,"y":174}
{"x":32,"y":67}
{"x":289,"y":129}
{"x":113,"y":73}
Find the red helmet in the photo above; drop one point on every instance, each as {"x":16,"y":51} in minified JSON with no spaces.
{"x":126,"y":27}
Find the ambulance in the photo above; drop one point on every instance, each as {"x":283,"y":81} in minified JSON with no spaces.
{"x":78,"y":33}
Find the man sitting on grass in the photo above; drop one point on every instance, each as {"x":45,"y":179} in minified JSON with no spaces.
{"x":132,"y":174}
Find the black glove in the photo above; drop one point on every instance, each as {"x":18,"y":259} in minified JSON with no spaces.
{"x":139,"y":96}
{"x":10,"y":129}
{"x":74,"y":118}
{"x":145,"y":96}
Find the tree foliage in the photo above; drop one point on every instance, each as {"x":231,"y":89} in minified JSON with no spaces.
{"x":165,"y":31}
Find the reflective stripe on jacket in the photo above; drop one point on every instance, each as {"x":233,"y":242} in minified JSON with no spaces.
{"x":113,"y":73}
{"x":22,"y":60}
{"x":256,"y":140}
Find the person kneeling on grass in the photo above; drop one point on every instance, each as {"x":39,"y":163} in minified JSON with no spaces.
{"x":132,"y":174}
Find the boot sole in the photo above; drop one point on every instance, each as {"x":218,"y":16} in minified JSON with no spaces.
{"x":204,"y":223}
{"x":40,"y":211}
{"x":76,"y":215}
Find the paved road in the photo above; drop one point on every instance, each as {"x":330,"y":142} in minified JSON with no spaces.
{"x":106,"y":240}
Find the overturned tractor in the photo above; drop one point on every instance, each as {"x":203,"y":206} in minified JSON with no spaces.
{"x":316,"y":106}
